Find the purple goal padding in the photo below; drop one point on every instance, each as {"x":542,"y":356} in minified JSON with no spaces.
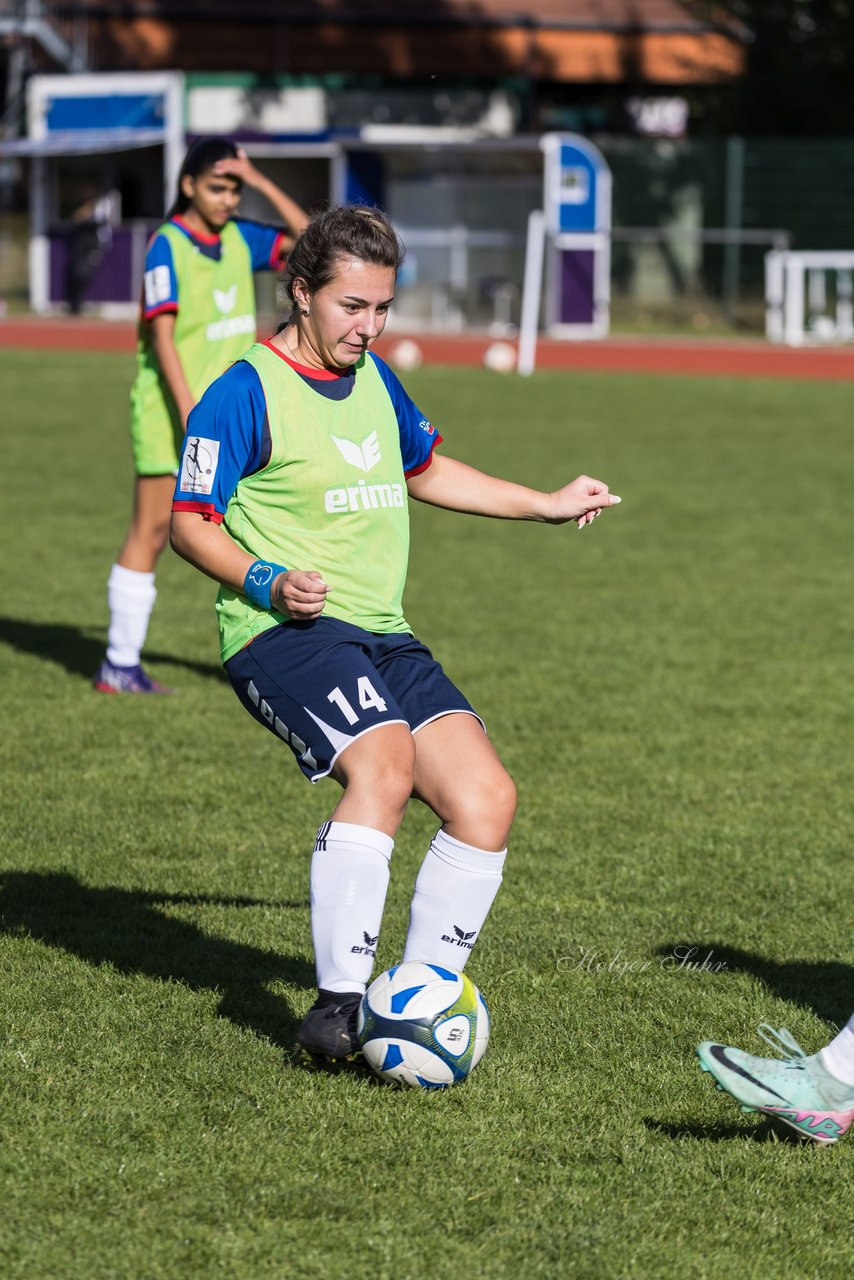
{"x":112,"y":280}
{"x":575,"y":299}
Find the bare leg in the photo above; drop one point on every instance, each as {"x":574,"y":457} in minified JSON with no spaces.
{"x":376,"y":774}
{"x":459,"y":775}
{"x":149,"y":526}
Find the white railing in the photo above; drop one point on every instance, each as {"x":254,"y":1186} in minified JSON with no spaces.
{"x":800,"y":308}
{"x":443,"y":297}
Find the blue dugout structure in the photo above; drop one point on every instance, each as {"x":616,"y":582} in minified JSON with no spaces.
{"x":94,"y":115}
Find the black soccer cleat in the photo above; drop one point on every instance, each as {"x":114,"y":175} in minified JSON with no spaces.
{"x":328,"y":1031}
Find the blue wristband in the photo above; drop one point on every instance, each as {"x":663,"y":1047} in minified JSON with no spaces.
{"x":260,"y":577}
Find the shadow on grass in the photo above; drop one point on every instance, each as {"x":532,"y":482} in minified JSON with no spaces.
{"x":124,"y":928}
{"x":823,"y":987}
{"x":80,"y":650}
{"x":765,"y":1132}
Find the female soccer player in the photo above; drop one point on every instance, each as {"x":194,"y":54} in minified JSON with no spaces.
{"x":813,"y":1094}
{"x":198,"y":314}
{"x":292,"y":494}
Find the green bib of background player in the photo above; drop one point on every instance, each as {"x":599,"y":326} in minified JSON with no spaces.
{"x":215,"y":319}
{"x":332,"y":498}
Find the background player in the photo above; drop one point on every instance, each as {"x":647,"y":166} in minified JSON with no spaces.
{"x":815,"y":1095}
{"x":198,"y":315}
{"x":302,"y":516}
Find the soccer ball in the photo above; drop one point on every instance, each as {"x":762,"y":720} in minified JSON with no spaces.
{"x":423,"y":1026}
{"x":500,"y":357}
{"x":406,"y":355}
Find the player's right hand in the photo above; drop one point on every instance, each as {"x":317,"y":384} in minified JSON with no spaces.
{"x":299,"y":595}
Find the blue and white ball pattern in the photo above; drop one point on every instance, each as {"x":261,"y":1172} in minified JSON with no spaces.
{"x":423,"y":1026}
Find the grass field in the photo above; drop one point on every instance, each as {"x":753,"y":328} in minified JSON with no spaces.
{"x":671,"y":689}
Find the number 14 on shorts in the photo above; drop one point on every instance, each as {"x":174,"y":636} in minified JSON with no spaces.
{"x":368,"y":700}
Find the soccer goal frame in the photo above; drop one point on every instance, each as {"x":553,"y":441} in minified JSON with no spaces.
{"x":800,"y":309}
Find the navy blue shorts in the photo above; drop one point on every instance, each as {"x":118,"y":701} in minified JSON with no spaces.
{"x":318,"y":686}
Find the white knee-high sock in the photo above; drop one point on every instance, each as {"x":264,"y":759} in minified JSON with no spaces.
{"x":349,"y":879}
{"x":454,"y":891}
{"x":838,"y":1056}
{"x":131,"y":597}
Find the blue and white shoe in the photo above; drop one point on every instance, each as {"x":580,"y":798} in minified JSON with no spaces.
{"x":798,"y":1090}
{"x":112,"y":679}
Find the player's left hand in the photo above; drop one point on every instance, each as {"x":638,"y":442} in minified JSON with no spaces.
{"x":582,"y":501}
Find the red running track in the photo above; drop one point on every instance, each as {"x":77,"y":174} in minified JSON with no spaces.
{"x":706,"y":356}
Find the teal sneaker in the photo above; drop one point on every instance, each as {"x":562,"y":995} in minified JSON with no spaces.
{"x":797,"y":1090}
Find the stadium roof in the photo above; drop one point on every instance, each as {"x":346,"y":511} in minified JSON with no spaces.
{"x":92,"y":142}
{"x":664,"y":42}
{"x":595,"y":15}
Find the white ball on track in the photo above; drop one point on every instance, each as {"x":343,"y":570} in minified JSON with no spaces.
{"x":406,"y":355}
{"x":500,"y":357}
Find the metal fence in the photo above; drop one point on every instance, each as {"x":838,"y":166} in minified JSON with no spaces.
{"x":693,"y":223}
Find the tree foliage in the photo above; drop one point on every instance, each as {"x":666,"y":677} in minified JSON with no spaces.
{"x":800,"y":57}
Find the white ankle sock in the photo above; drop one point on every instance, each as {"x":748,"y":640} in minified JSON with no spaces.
{"x":131,"y":597}
{"x":349,"y":879}
{"x":454,"y":890}
{"x":838,"y":1056}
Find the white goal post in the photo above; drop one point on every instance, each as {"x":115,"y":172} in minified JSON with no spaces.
{"x":809,"y":296}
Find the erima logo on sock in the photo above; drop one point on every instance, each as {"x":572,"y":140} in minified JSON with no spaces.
{"x":462,"y":939}
{"x":368,"y":948}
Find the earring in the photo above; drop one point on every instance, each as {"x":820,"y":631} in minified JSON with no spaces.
{"x":305,"y":311}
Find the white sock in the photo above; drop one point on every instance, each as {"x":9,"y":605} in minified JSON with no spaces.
{"x":838,"y":1056}
{"x":454,"y":890}
{"x":349,"y":879}
{"x":131,"y":597}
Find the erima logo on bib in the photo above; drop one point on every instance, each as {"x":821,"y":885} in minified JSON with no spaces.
{"x":225,"y":299}
{"x":363,"y":497}
{"x":365,"y":456}
{"x":198,"y":464}
{"x":229,"y":328}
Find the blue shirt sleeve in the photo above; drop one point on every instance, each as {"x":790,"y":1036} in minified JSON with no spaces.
{"x":228,"y":437}
{"x":160,"y":283}
{"x":264,"y":243}
{"x":418,"y":436}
